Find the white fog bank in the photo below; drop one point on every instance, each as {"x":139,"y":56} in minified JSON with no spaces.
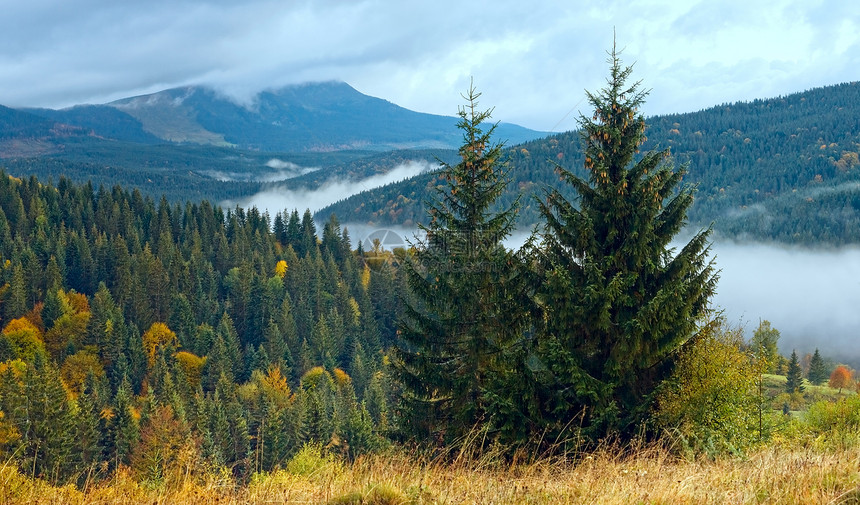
{"x":279,"y":198}
{"x":811,"y":296}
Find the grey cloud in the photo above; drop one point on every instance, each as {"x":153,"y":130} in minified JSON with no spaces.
{"x":532,"y":61}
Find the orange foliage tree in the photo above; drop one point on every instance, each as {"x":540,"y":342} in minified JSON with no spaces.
{"x":840,"y":378}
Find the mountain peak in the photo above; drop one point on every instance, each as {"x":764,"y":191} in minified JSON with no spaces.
{"x":327,"y":115}
{"x":311,"y":116}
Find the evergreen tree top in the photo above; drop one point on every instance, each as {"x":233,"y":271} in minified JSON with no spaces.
{"x":475,"y":183}
{"x":616,"y":127}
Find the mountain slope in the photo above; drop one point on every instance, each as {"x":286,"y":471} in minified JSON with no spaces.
{"x":15,"y":123}
{"x":26,"y":134}
{"x":194,"y":143}
{"x":782,"y":169}
{"x":326,"y":116}
{"x":102,"y":120}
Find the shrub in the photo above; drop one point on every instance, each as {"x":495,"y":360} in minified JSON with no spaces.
{"x":310,"y":460}
{"x":835,"y":423}
{"x":711,"y":399}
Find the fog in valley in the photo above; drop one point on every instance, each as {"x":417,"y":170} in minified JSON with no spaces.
{"x":276,"y":171}
{"x":278,"y":198}
{"x":811,"y":296}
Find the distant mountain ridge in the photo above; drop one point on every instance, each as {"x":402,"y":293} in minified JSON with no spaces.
{"x":323,"y":116}
{"x":784,"y":169}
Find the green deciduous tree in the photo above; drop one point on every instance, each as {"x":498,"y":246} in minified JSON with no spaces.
{"x":618,"y":300}
{"x":711,"y":397}
{"x":764,"y":344}
{"x":23,"y":340}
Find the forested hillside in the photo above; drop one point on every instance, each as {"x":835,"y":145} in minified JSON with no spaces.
{"x":784,"y":169}
{"x":185,"y":172}
{"x":153,"y":332}
{"x":195,"y":173}
{"x":15,"y":124}
{"x":102,"y":120}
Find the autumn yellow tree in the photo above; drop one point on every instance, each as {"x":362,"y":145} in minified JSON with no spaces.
{"x":76,"y":368}
{"x":70,"y":328}
{"x":192,"y":365}
{"x":156,"y":337}
{"x":281,"y":269}
{"x":274,"y":387}
{"x":22,"y":339}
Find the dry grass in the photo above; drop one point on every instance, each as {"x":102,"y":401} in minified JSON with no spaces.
{"x":649,"y":476}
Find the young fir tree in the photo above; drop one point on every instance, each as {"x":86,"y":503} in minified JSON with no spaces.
{"x":40,"y":407}
{"x":817,"y":369}
{"x":618,"y":300}
{"x":450,"y":339}
{"x":89,"y":424}
{"x":764,"y":345}
{"x":794,"y":376}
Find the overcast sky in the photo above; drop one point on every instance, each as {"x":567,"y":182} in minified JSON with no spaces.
{"x":532,"y":62}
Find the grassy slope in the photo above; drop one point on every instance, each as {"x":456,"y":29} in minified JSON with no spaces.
{"x":648,"y":476}
{"x":794,"y":469}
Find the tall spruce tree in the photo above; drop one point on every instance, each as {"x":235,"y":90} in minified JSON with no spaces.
{"x":817,"y":369}
{"x":48,"y":423}
{"x":794,"y":376}
{"x":450,"y":338}
{"x":618,"y":300}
